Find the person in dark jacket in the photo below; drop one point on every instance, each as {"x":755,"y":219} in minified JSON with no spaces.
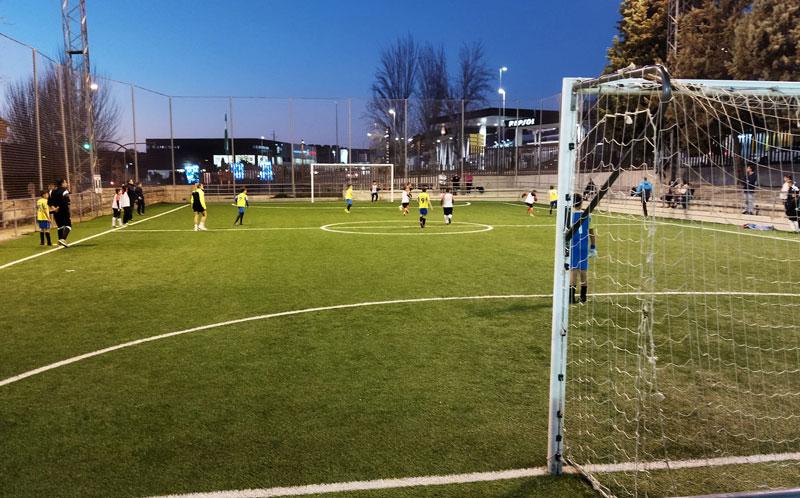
{"x":139,"y":199}
{"x":792,"y":203}
{"x":131,"y":190}
{"x":59,"y":202}
{"x":749,"y":183}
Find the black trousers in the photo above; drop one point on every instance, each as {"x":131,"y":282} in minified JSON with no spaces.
{"x":374,"y":197}
{"x":140,"y":206}
{"x":127,"y":215}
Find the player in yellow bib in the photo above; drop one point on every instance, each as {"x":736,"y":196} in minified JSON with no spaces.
{"x":241,"y":202}
{"x":553,"y":198}
{"x":424,"y":199}
{"x":43,"y":218}
{"x":348,"y":198}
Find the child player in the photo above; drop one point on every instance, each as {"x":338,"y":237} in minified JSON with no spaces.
{"x":241,"y":202}
{"x":406,"y":199}
{"x":424,"y":200}
{"x":116,"y":208}
{"x":348,"y":198}
{"x":199,"y":207}
{"x":553,"y":193}
{"x":530,"y":198}
{"x":447,"y":206}
{"x":580,"y":251}
{"x":43,"y":218}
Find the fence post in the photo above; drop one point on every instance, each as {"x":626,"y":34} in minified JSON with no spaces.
{"x":171,"y":142}
{"x":349,"y":133}
{"x":63,"y":113}
{"x":405,"y":134}
{"x":14,"y":205}
{"x":516,"y":149}
{"x":233,"y":145}
{"x":291,"y":147}
{"x":463,"y":151}
{"x":36,"y":119}
{"x":80,"y":207}
{"x":135,"y":153}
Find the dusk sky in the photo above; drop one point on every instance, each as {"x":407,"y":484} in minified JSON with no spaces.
{"x":311,"y":48}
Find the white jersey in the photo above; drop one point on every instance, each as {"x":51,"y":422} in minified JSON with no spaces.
{"x":406,"y":198}
{"x":529,"y":199}
{"x":124,"y":200}
{"x":374,"y":189}
{"x":115,"y":202}
{"x":447,"y":200}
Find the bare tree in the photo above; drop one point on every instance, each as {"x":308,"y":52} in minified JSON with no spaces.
{"x":395,"y":81}
{"x":434,"y":88}
{"x":473,"y":80}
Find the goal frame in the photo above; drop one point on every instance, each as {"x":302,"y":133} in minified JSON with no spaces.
{"x":356,"y":166}
{"x":648,"y":80}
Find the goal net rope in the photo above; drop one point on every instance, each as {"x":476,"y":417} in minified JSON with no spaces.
{"x":680,"y":374}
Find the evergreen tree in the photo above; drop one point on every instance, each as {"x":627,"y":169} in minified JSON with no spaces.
{"x":767,"y":42}
{"x":705,"y":42}
{"x":642,"y":38}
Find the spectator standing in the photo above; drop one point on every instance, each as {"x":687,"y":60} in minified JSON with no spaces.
{"x":791,"y":204}
{"x":590,"y":190}
{"x":787,"y":185}
{"x":469,"y":182}
{"x":59,"y":201}
{"x":644,"y":190}
{"x":456,"y":183}
{"x":139,"y":199}
{"x":131,"y":189}
{"x":749,"y":183}
{"x":126,"y":205}
{"x":116,"y":210}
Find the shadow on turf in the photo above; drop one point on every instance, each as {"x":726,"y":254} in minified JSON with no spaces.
{"x":510,"y":308}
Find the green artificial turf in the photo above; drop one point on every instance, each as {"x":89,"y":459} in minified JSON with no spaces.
{"x":380,"y":391}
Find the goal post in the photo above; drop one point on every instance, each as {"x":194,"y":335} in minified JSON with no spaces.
{"x":360,"y":176}
{"x":680,"y":373}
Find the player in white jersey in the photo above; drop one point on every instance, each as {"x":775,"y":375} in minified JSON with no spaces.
{"x":447,"y":206}
{"x":530,"y":198}
{"x":405,"y":200}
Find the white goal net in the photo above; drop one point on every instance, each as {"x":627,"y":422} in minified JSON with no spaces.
{"x":679,"y":373}
{"x":330,"y":179}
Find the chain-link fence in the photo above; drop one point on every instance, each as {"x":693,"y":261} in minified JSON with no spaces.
{"x":157,"y":139}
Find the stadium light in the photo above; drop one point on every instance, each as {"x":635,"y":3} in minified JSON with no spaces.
{"x":94,"y":86}
{"x":86,"y":146}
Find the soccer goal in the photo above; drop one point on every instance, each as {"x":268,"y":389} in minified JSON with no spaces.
{"x":329,"y":179}
{"x":679,"y":374}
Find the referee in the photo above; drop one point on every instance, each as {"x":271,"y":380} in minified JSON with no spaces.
{"x":59,"y":202}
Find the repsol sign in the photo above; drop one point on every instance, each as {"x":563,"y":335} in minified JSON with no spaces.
{"x":520,"y":122}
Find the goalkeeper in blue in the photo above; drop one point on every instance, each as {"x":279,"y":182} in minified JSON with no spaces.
{"x":582,"y":247}
{"x":241,"y":202}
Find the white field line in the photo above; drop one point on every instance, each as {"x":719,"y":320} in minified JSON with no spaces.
{"x":404,"y":482}
{"x":355,"y":206}
{"x":58,"y":248}
{"x":473,"y":477}
{"x":696,"y":227}
{"x":75,"y":359}
{"x":254,"y":229}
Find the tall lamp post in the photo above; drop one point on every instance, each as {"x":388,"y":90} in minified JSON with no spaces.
{"x":502,"y":92}
{"x":393,"y":113}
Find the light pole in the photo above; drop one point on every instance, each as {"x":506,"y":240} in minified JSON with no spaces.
{"x":394,"y":131}
{"x":502,"y":92}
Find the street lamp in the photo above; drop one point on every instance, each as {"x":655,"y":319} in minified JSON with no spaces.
{"x":502,"y":93}
{"x":394,"y":129}
{"x":94,"y":86}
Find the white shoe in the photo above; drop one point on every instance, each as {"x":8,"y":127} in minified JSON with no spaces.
{"x":63,"y":243}
{"x":203,"y":228}
{"x":195,"y":228}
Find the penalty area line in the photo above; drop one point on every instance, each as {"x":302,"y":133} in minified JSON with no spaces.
{"x":58,"y":248}
{"x":475,"y":477}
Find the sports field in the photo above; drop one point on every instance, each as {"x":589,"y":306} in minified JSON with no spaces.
{"x":312,"y":346}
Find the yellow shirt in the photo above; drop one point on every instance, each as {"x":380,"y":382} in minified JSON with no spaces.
{"x":424,"y":200}
{"x":553,"y":195}
{"x":42,"y":210}
{"x":349,"y":193}
{"x":241,"y":200}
